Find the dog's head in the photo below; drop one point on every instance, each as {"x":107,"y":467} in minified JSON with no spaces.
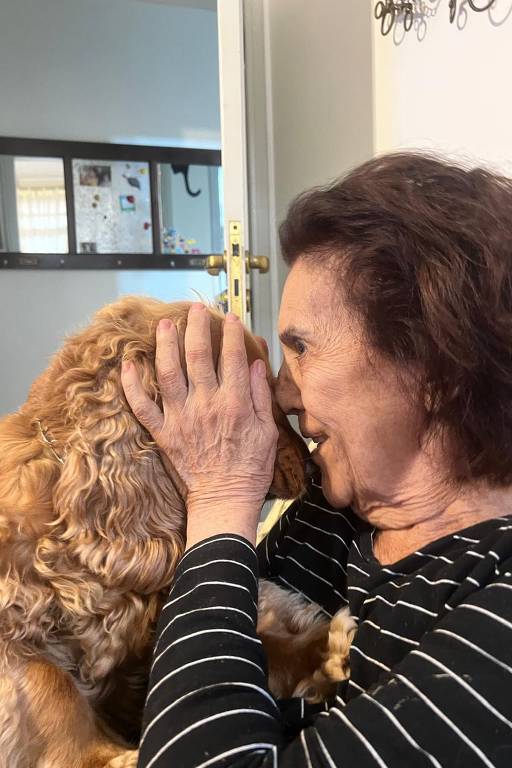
{"x":92,"y":473}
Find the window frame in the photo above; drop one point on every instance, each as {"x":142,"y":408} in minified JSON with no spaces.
{"x":80,"y":150}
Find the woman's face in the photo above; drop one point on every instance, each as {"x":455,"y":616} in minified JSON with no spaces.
{"x":353,"y":406}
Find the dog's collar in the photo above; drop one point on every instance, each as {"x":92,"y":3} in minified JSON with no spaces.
{"x":48,"y":440}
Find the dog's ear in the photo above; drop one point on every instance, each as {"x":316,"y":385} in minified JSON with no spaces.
{"x":27,"y":477}
{"x":118,"y":510}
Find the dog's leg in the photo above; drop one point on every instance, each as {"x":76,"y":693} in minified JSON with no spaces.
{"x":52,"y":725}
{"x":126,"y":760}
{"x":12,"y":731}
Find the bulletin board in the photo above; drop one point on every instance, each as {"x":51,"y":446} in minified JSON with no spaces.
{"x":112,"y":206}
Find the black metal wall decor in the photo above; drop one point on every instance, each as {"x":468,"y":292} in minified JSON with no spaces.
{"x":184,"y":169}
{"x":111,"y":205}
{"x":391,"y":12}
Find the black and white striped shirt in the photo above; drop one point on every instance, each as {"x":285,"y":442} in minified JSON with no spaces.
{"x":431,"y":662}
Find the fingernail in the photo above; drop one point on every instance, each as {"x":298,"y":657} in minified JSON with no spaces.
{"x":165,"y":324}
{"x":126,"y":365}
{"x":231,"y":317}
{"x":197,"y":307}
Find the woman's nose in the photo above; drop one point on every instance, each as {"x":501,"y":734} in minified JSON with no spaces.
{"x":286,"y":392}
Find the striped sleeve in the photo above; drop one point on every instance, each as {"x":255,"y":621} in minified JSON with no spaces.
{"x":445,"y":704}
{"x":208,"y":700}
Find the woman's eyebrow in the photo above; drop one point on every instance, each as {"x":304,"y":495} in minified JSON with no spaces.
{"x":291,"y":334}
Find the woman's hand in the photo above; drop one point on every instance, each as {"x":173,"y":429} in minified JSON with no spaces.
{"x":218,"y":432}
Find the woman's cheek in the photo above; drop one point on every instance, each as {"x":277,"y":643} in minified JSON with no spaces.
{"x":316,"y":391}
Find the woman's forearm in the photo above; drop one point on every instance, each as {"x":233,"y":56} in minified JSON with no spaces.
{"x":208,"y":688}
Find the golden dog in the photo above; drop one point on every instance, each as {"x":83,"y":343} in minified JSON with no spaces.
{"x":92,"y":525}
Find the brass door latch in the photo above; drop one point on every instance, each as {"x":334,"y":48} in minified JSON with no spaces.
{"x":216,"y":262}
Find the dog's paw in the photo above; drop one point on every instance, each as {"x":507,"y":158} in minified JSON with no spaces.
{"x":341,"y":632}
{"x":335,"y":664}
{"x":127,"y":760}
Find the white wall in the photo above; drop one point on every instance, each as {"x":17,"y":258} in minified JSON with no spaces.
{"x":106,"y":70}
{"x":321,"y":91}
{"x":450,"y":91}
{"x":319,"y":102}
{"x":97,"y":70}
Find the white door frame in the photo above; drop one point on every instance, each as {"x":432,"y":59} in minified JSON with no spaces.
{"x":230,"y":15}
{"x":247,"y":156}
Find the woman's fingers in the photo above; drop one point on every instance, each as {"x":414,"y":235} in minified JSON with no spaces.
{"x":234,"y":368}
{"x":198,"y":349}
{"x":260,"y":393}
{"x":171,"y":380}
{"x":144,"y":409}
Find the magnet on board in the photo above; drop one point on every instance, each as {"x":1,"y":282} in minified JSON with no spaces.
{"x":132,"y":181}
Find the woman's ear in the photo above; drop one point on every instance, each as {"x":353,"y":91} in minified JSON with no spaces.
{"x":118,"y":510}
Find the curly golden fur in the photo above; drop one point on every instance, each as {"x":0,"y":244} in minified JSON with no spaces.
{"x":92,"y":525}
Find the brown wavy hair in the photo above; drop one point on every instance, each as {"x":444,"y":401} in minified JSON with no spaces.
{"x":421,"y":248}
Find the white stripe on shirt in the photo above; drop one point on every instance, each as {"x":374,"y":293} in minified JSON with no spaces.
{"x":324,"y":750}
{"x":335,"y":512}
{"x":400,"y":602}
{"x":362,"y":738}
{"x":204,"y":584}
{"x":487,"y":613}
{"x":445,"y":719}
{"x":210,"y":562}
{"x":475,"y":648}
{"x":388,"y":632}
{"x":310,"y":546}
{"x":204,"y":632}
{"x":309,"y":600}
{"x":305,"y":747}
{"x":206,"y":608}
{"x":204,"y":720}
{"x":206,"y":688}
{"x":202,"y":544}
{"x":322,"y":530}
{"x":257,"y":747}
{"x":464,"y":684}
{"x":204,"y":660}
{"x":400,"y":728}
{"x":369,"y":658}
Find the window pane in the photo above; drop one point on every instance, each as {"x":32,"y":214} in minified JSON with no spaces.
{"x":33,"y":216}
{"x":190,"y":202}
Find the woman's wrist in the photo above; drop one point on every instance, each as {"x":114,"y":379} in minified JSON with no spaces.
{"x":194,"y":537}
{"x":226,"y":517}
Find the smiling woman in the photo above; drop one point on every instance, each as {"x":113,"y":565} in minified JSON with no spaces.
{"x":395,"y":323}
{"x":348,"y":400}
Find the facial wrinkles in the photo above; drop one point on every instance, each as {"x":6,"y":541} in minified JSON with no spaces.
{"x":357,"y":403}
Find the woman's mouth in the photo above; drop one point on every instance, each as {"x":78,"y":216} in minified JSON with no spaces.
{"x":319,"y":441}
{"x":319,"y":438}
